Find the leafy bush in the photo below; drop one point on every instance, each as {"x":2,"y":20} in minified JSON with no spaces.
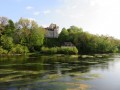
{"x":59,"y":50}
{"x":6,"y":42}
{"x":68,"y":50}
{"x":2,"y":51}
{"x":47,"y":50}
{"x":19,"y":49}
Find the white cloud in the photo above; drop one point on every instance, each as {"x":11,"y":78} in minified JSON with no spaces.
{"x":36,"y":13}
{"x":72,"y":10}
{"x":46,"y":11}
{"x":93,"y":3}
{"x":95,"y":16}
{"x":44,"y":25}
{"x":29,"y":7}
{"x":32,"y":19}
{"x":74,"y":7}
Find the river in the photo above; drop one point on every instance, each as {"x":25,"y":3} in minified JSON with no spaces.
{"x":61,"y":72}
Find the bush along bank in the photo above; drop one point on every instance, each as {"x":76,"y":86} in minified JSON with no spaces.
{"x":59,"y":50}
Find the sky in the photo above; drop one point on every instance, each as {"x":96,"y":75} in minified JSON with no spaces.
{"x":94,"y":16}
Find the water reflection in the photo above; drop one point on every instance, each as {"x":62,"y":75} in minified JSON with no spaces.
{"x":36,"y":72}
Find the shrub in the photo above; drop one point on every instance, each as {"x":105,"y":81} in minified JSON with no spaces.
{"x":59,"y":50}
{"x":53,"y":50}
{"x":6,"y":42}
{"x":2,"y":51}
{"x":47,"y":50}
{"x":19,"y":49}
{"x":68,"y":50}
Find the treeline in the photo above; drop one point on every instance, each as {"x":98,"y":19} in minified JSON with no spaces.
{"x":87,"y":43}
{"x":21,"y":37}
{"x":26,"y":36}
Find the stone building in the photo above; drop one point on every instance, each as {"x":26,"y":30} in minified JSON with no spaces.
{"x":52,"y":31}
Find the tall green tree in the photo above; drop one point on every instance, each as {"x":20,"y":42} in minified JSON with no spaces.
{"x":74,"y":29}
{"x":64,"y":35}
{"x":10,"y":28}
{"x":28,"y":33}
{"x":3,"y":24}
{"x":36,"y":38}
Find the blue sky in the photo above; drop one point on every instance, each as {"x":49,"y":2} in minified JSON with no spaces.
{"x":94,"y":16}
{"x":35,"y":9}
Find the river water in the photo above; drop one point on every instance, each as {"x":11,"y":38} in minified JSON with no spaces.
{"x":61,"y":72}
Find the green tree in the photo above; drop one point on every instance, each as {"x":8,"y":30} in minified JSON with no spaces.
{"x":29,"y":34}
{"x":74,"y":29}
{"x":10,"y":28}
{"x":36,"y":38}
{"x":19,"y":49}
{"x":3,"y":23}
{"x":6,"y":42}
{"x":64,"y":35}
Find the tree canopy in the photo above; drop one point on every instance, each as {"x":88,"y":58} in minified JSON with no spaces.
{"x":26,"y":36}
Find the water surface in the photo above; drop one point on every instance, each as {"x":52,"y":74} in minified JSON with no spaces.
{"x":37,"y":72}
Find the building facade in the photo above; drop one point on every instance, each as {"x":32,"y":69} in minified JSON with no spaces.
{"x":51,"y":31}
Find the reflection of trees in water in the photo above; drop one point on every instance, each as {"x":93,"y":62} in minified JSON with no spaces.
{"x":37,"y":63}
{"x":32,"y":68}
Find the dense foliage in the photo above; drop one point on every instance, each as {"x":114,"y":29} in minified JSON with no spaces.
{"x":20,"y":37}
{"x":87,"y":43}
{"x":27,"y":36}
{"x":59,"y":50}
{"x":19,"y":49}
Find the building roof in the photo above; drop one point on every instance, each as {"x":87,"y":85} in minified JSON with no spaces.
{"x":52,"y":27}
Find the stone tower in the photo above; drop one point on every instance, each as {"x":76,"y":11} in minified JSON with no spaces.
{"x":52,"y":31}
